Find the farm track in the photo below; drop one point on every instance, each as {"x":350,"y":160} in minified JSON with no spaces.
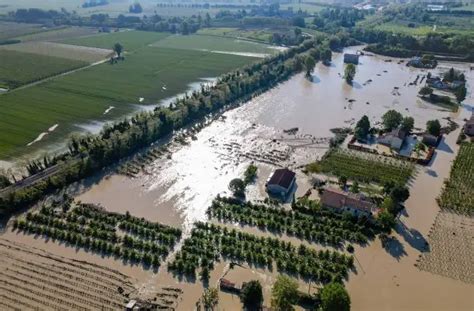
{"x":32,"y":279}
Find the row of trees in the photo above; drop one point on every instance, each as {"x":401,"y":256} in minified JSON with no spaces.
{"x":91,"y":228}
{"x":208,"y":243}
{"x":307,"y":221}
{"x":404,"y":45}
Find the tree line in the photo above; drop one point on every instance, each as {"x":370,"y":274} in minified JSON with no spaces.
{"x":90,"y":153}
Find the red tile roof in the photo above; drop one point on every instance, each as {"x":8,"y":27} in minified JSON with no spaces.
{"x":339,"y":199}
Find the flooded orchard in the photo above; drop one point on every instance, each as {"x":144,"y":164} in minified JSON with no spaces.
{"x":178,"y":189}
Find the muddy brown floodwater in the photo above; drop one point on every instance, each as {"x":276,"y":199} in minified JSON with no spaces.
{"x":177,"y":190}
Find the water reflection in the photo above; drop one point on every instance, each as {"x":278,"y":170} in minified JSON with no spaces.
{"x":202,"y":169}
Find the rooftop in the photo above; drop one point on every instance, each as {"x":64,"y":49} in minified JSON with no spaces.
{"x":282,"y":177}
{"x":340,"y":199}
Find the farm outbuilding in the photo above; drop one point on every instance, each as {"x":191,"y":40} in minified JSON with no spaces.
{"x":281,"y":182}
{"x":351,"y":58}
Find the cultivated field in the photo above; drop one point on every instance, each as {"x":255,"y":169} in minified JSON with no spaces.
{"x":152,"y":74}
{"x":80,"y":53}
{"x":212,"y":43}
{"x":131,"y":40}
{"x":33,"y":279}
{"x":10,"y":30}
{"x":451,"y":251}
{"x":58,"y":34}
{"x":364,"y":167}
{"x":19,"y":68}
{"x":262,"y":35}
{"x":458,"y":192}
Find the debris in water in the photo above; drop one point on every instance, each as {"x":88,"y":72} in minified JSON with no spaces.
{"x":141,"y":99}
{"x":291,"y":131}
{"x":40,"y":137}
{"x":52,"y":128}
{"x":108,"y":109}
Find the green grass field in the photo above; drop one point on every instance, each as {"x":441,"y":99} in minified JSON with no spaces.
{"x":262,"y":35}
{"x":421,"y":30}
{"x":18,"y":68}
{"x":82,"y":97}
{"x":58,"y":34}
{"x":80,"y":53}
{"x":131,"y":40}
{"x":213,"y":43}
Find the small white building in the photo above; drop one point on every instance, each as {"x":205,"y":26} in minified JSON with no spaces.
{"x":281,"y":182}
{"x":394,"y":139}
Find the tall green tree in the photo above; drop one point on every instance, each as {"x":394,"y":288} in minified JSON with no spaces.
{"x":386,"y":220}
{"x":407,"y":124}
{"x":334,"y":297}
{"x":252,"y":295}
{"x":284,"y":293}
{"x":362,"y":128}
{"x":460,"y":93}
{"x":433,"y":127}
{"x":326,"y":55}
{"x":391,"y":119}
{"x":210,"y":299}
{"x":349,"y":73}
{"x":309,"y":64}
{"x":237,"y":186}
{"x":118,"y":49}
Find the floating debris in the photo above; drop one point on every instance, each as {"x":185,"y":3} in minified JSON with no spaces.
{"x":291,"y":131}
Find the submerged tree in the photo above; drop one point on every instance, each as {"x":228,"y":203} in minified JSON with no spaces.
{"x":349,"y":73}
{"x":392,"y":119}
{"x":251,"y":295}
{"x":362,"y":128}
{"x":334,"y":297}
{"x":210,"y":298}
{"x":433,"y":127}
{"x":309,"y":64}
{"x":426,"y":90}
{"x":326,"y":56}
{"x":237,"y":186}
{"x":407,"y":124}
{"x":284,"y":293}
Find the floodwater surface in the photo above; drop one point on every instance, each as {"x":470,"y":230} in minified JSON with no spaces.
{"x":177,"y":189}
{"x":186,"y":183}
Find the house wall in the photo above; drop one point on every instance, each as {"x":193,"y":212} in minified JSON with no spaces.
{"x":396,"y":143}
{"x":277,"y":189}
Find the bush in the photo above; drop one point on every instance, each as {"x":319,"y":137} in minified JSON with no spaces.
{"x":334,"y":297}
{"x":251,"y":295}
